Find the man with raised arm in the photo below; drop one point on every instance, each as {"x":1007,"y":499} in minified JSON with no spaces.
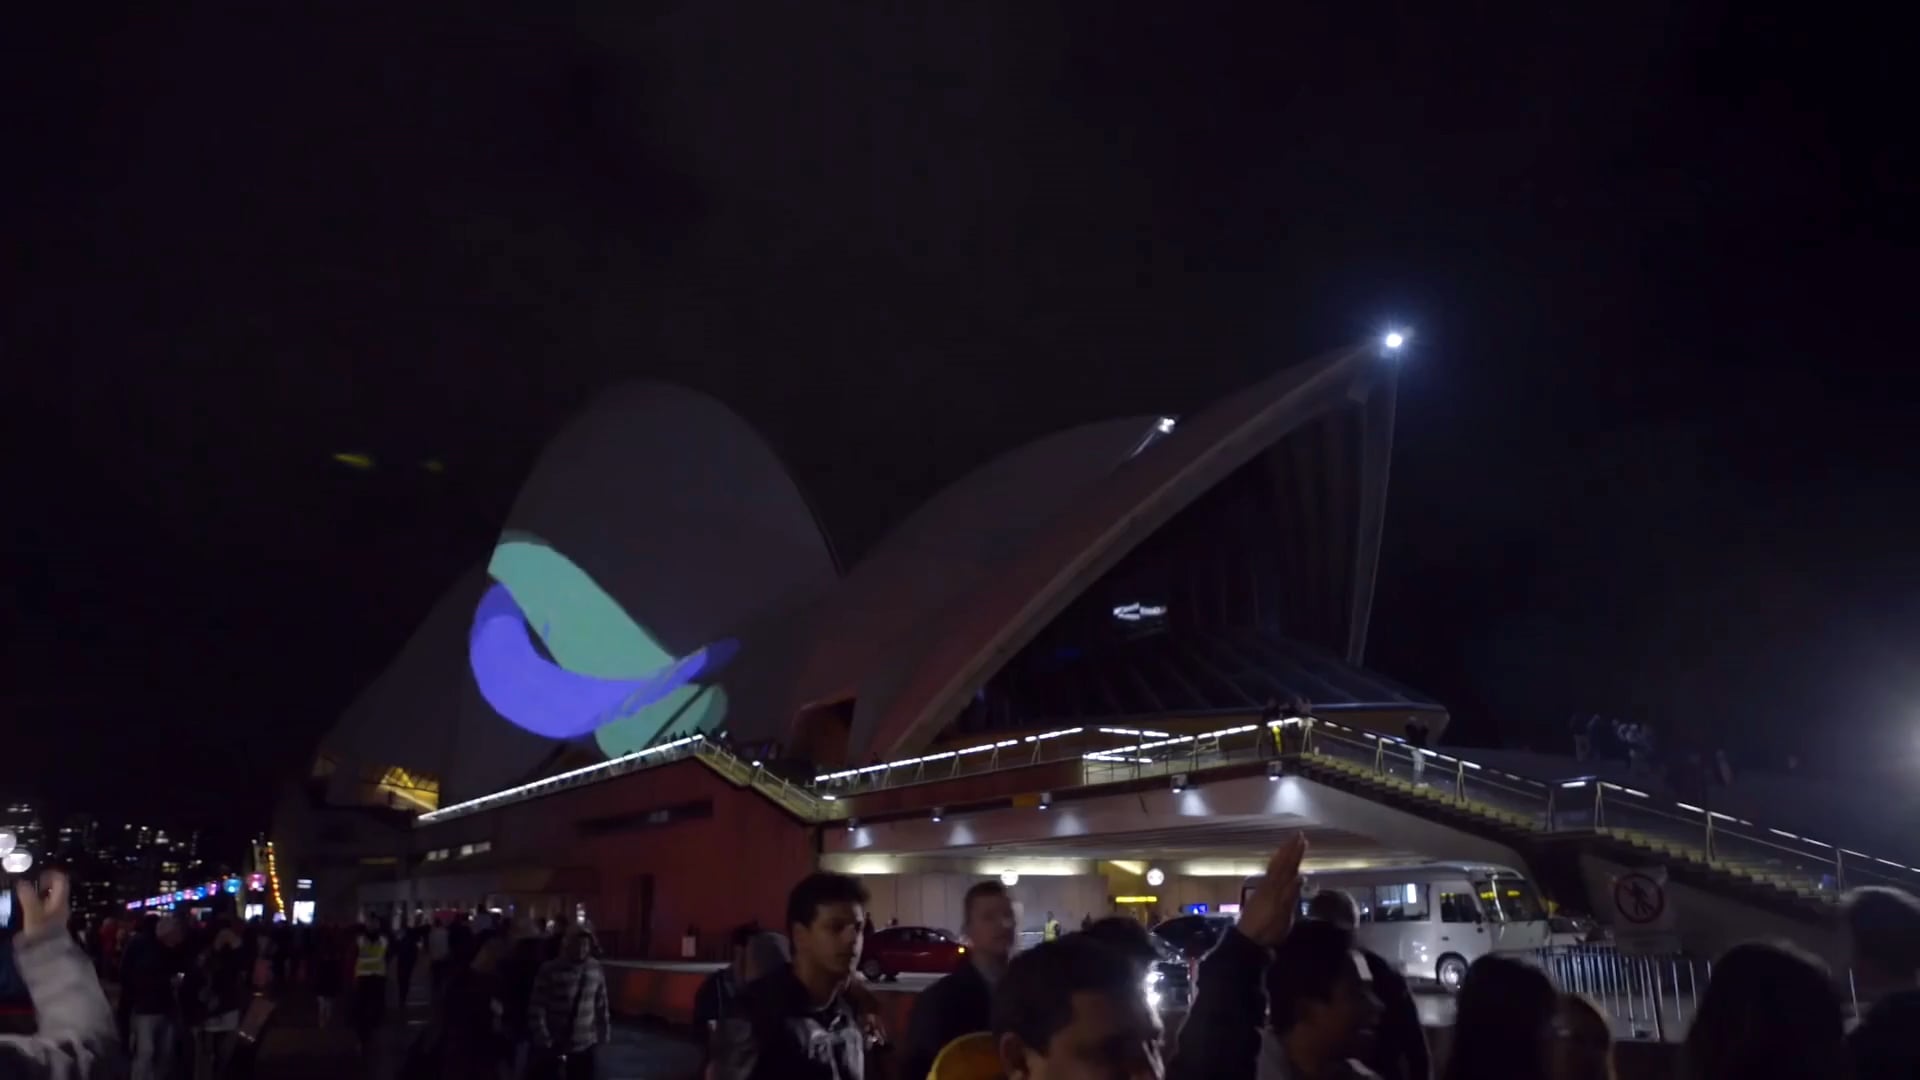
{"x":1222,"y":1036}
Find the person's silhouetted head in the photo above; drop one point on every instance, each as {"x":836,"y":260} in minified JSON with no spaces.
{"x":1770,"y":1011}
{"x":1319,"y":996}
{"x":988,"y":920}
{"x":1128,"y":938}
{"x":1075,"y":1008}
{"x":737,"y":948}
{"x":766,"y":952}
{"x":1334,"y":906}
{"x":1883,"y":931}
{"x":1504,"y":1024}
{"x":1583,"y":1041}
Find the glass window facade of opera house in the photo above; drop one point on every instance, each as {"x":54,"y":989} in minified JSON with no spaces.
{"x":1243,"y":598}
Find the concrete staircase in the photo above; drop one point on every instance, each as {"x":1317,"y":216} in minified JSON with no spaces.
{"x":1752,"y":881}
{"x":795,"y":800}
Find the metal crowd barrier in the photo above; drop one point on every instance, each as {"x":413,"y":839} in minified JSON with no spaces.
{"x":1644,"y":996}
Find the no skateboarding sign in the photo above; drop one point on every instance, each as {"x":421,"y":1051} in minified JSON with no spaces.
{"x":1643,"y":916}
{"x":1638,"y":899}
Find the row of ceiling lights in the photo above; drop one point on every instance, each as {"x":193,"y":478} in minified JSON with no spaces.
{"x":1178,"y":782}
{"x":1155,"y":876}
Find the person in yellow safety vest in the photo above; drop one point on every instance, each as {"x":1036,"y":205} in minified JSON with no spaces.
{"x":1051,"y":930}
{"x":369,"y":980}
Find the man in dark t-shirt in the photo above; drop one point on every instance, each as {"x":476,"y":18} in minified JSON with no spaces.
{"x":961,"y":1003}
{"x":800,"y":1021}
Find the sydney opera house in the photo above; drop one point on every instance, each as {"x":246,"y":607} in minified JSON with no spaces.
{"x":661,"y":576}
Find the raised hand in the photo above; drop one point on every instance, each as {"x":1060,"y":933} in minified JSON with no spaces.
{"x":45,"y":904}
{"x":1270,"y":911}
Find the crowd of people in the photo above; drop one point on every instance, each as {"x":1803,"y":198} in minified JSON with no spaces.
{"x":195,"y":996}
{"x":1286,"y":994}
{"x":510,"y":998}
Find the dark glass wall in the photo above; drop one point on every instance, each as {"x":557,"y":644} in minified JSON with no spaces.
{"x":1245,"y":596}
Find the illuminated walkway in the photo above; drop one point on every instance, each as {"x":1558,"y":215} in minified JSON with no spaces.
{"x":1793,"y":866}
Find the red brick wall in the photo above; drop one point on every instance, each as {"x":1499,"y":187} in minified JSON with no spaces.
{"x":714,"y":872}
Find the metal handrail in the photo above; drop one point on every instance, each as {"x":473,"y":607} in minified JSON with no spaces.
{"x":804,"y":804}
{"x":1575,"y":804}
{"x":1807,"y":867}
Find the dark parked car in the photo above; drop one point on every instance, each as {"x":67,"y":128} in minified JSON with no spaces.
{"x":910,"y":950}
{"x":1193,"y":935}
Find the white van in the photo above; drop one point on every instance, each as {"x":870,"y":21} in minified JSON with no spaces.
{"x":1433,"y":919}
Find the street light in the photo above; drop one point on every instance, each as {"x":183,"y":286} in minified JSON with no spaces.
{"x":1395,"y":339}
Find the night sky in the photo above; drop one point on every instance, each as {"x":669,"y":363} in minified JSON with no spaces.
{"x":1654,"y":449}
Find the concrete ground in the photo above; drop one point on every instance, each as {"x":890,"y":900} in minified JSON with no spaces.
{"x":296,"y":1048}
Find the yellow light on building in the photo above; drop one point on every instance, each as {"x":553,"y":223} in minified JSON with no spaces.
{"x":1136,"y":899}
{"x":273,"y":879}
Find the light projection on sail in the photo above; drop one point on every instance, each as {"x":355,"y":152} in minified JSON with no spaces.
{"x":601,"y":672}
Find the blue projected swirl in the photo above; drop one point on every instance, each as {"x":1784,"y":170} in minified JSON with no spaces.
{"x":604,"y":669}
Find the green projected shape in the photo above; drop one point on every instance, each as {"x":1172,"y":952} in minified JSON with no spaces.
{"x":588,"y":632}
{"x":687,"y":710}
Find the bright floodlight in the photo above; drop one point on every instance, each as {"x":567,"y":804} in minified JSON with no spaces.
{"x":1395,"y":339}
{"x":16,"y":862}
{"x":1009,"y":878}
{"x":7,"y":841}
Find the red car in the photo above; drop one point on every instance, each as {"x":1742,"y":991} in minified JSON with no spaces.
{"x":909,"y":950}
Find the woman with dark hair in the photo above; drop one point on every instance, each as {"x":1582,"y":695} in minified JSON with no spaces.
{"x":1770,"y":1011}
{"x":1503,"y":1027}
